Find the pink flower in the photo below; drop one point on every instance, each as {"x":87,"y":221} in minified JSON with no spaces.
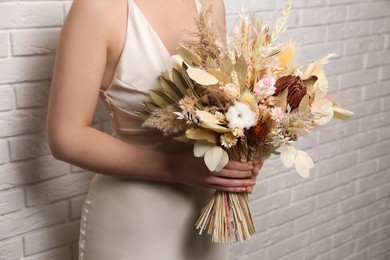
{"x":265,"y":87}
{"x":277,"y":114}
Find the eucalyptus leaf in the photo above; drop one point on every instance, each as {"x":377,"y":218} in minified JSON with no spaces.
{"x":216,"y":158}
{"x":150,"y":106}
{"x":226,"y":65}
{"x":179,"y":81}
{"x":241,"y":69}
{"x":202,"y":134}
{"x":189,"y":56}
{"x":201,"y":147}
{"x":169,"y":89}
{"x":221,"y":76}
{"x":211,"y":63}
{"x":202,"y":77}
{"x":160,"y":98}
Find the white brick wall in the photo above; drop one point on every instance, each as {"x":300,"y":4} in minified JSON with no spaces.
{"x":341,"y":212}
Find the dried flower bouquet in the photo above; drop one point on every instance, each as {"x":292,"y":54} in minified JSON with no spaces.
{"x":241,"y":100}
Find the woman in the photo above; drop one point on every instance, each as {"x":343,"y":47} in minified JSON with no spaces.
{"x":148,"y":191}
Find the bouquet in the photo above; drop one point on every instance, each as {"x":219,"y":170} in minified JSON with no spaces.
{"x":241,"y":100}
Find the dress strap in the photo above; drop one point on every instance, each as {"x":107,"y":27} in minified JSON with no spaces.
{"x":198,"y":5}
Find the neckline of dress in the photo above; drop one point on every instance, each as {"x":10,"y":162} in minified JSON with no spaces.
{"x":156,"y":35}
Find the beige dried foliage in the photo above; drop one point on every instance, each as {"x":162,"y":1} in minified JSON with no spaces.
{"x":166,"y":121}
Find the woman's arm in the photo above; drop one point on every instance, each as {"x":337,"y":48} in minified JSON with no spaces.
{"x":81,"y":60}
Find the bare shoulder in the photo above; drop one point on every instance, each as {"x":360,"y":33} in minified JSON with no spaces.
{"x":96,"y":15}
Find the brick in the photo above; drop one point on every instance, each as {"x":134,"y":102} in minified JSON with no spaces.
{"x":32,"y":94}
{"x":290,"y":213}
{"x":343,"y":251}
{"x":76,"y":205}
{"x":3,"y":152}
{"x":377,"y":90}
{"x":359,"y":141}
{"x":386,"y":103}
{"x":384,"y":162}
{"x":385,"y":71}
{"x":344,"y":64}
{"x":17,"y":174}
{"x":343,"y":2}
{"x":58,"y":188}
{"x":331,"y":227}
{"x":62,"y":253}
{"x":351,"y":233}
{"x":376,"y":59}
{"x":22,"y":122}
{"x":367,"y":11}
{"x":11,"y":249}
{"x":315,"y":218}
{"x":24,"y":15}
{"x":28,"y":68}
{"x":365,"y":44}
{"x":318,"y":51}
{"x":357,"y":201}
{"x":329,"y":166}
{"x":11,"y":200}
{"x":271,"y":202}
{"x":287,"y":246}
{"x":373,"y":241}
{"x":384,"y":191}
{"x":284,"y":181}
{"x":374,"y":151}
{"x":323,"y":15}
{"x":372,"y":181}
{"x":35,"y":41}
{"x":366,"y":108}
{"x":358,"y":256}
{"x":4,"y":45}
{"x":336,"y":195}
{"x":309,"y":189}
{"x":33,"y":218}
{"x":380,"y":26}
{"x":348,"y":30}
{"x":313,"y":250}
{"x":359,"y":78}
{"x":6,"y":98}
{"x":27,"y":147}
{"x":269,"y":237}
{"x":305,"y":36}
{"x":356,"y":172}
{"x":51,"y":237}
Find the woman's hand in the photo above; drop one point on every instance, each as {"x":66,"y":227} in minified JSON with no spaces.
{"x":234,"y":177}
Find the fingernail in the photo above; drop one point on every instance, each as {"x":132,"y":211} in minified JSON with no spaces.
{"x":243,"y":189}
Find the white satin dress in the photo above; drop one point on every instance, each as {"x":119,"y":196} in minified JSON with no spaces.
{"x":124,"y":219}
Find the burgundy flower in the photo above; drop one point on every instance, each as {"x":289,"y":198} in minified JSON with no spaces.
{"x":296,"y":89}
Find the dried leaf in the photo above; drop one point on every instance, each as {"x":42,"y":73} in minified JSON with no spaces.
{"x":170,"y":90}
{"x":150,"y":106}
{"x":179,"y":81}
{"x":189,"y":56}
{"x":216,"y":158}
{"x":160,"y":98}
{"x":202,"y":134}
{"x":211,"y":63}
{"x":303,"y":163}
{"x":282,"y":100}
{"x":201,"y":77}
{"x":288,"y":156}
{"x":305,"y":103}
{"x":210,"y":122}
{"x":221,"y":76}
{"x":226,"y":65}
{"x":309,"y":84}
{"x":241,"y":69}
{"x":340,"y":113}
{"x":201,"y":147}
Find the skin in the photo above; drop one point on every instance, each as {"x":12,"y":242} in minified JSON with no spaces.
{"x":89,"y":48}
